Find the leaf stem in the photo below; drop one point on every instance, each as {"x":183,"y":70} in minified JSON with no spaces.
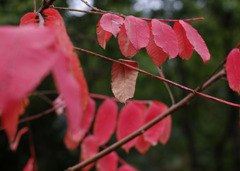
{"x":159,"y":78}
{"x":166,"y":85}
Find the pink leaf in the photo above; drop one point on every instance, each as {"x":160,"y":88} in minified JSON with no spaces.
{"x":108,"y":162}
{"x":196,"y":40}
{"x":124,"y":80}
{"x":111,"y":23}
{"x":137,"y":31}
{"x":156,"y":53}
{"x":20,"y":71}
{"x":142,"y":145}
{"x":185,"y":47}
{"x":125,"y":45}
{"x":152,"y":134}
{"x":30,"y":166}
{"x":14,"y":144}
{"x":233,"y":70}
{"x":85,"y":124}
{"x":105,"y":121}
{"x":130,"y":119}
{"x":102,"y":36}
{"x":166,"y":132}
{"x":165,"y":38}
{"x":89,"y":148}
{"x":126,"y":167}
{"x":70,"y":90}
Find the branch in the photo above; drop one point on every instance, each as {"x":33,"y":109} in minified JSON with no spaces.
{"x":159,"y":78}
{"x":147,"y":126}
{"x":45,"y":5}
{"x":102,"y":12}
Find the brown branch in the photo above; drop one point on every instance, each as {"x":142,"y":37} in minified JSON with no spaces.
{"x":146,"y":126}
{"x":167,"y":86}
{"x":45,"y":5}
{"x":159,"y":78}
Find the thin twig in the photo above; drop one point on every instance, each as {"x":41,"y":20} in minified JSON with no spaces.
{"x":34,"y":6}
{"x":45,"y":5}
{"x":159,"y":78}
{"x":146,"y":126}
{"x":167,"y":86}
{"x":101,"y":12}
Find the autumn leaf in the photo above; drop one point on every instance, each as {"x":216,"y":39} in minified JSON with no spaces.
{"x":233,"y":70}
{"x":152,"y":135}
{"x":164,"y":37}
{"x":102,"y":36}
{"x":158,"y":56}
{"x":185,"y":47}
{"x":137,"y":31}
{"x":105,"y":121}
{"x":14,"y":144}
{"x":21,"y":72}
{"x":166,"y":131}
{"x":126,"y":167}
{"x":111,"y":23}
{"x":124,"y":80}
{"x":196,"y":41}
{"x":142,"y":145}
{"x":125,"y":45}
{"x":89,"y":148}
{"x":130,"y":119}
{"x":108,"y":162}
{"x":30,"y":166}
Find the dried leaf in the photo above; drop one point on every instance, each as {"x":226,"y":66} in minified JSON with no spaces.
{"x":124,"y":80}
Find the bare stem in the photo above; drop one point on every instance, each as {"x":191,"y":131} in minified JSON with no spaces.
{"x":45,"y":5}
{"x":159,"y":78}
{"x":166,"y":85}
{"x":146,"y":126}
{"x":34,"y":6}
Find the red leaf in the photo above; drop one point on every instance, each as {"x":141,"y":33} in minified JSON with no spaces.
{"x":69,"y":88}
{"x":21,"y":71}
{"x":165,"y":37}
{"x":28,"y":19}
{"x":130,"y":119}
{"x":126,"y":167}
{"x":137,"y":31}
{"x":124,"y":80}
{"x":31,"y":165}
{"x":156,"y":53}
{"x":14,"y":144}
{"x":196,"y":40}
{"x":105,"y":121}
{"x":85,"y":124}
{"x":153,"y":134}
{"x":126,"y":47}
{"x":233,"y":70}
{"x":142,"y":145}
{"x":111,"y":23}
{"x":108,"y":162}
{"x":185,"y":47}
{"x":89,"y":148}
{"x":102,"y":36}
{"x":166,"y":132}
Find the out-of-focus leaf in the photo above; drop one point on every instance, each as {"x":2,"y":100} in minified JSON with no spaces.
{"x":108,"y":162}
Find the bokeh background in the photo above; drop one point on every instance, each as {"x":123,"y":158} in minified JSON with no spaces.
{"x":205,"y":133}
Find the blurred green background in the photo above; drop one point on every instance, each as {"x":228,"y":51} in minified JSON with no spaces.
{"x":205,"y":133}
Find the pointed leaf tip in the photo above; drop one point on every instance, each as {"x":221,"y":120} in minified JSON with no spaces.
{"x":196,"y":40}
